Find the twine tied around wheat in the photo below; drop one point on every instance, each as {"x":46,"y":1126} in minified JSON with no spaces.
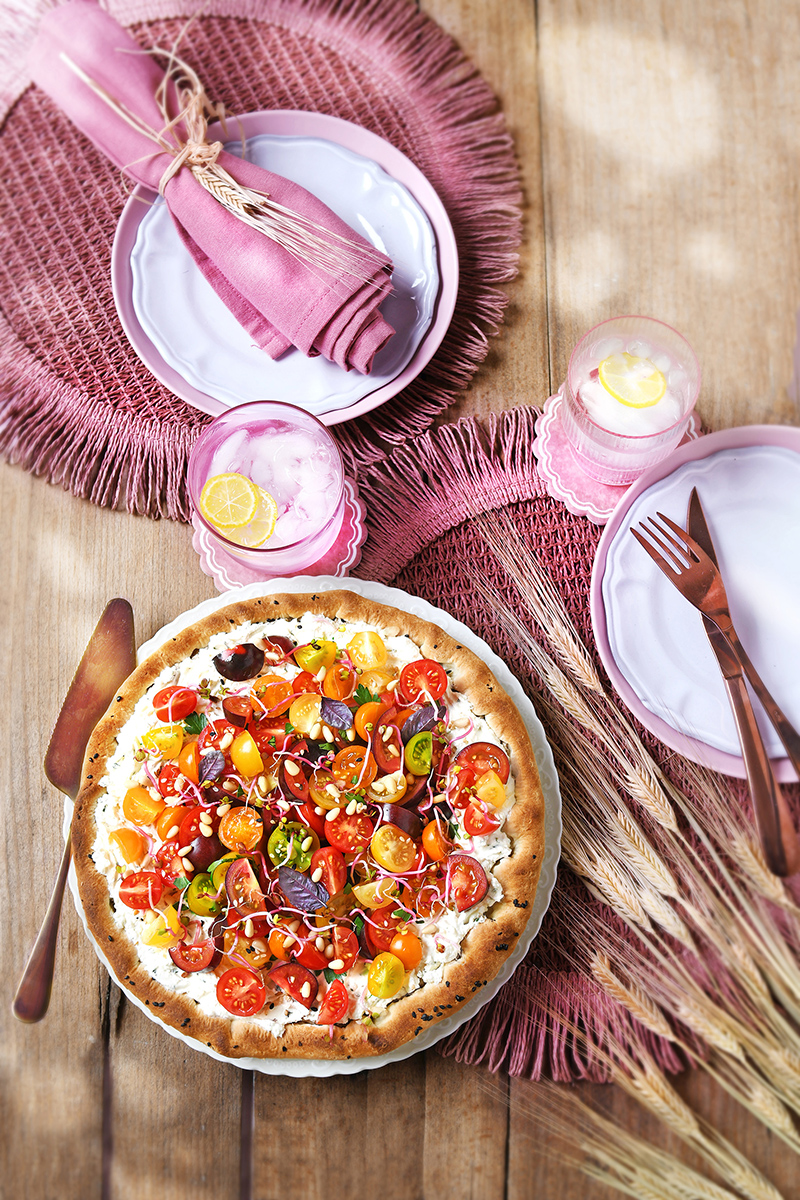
{"x":184,"y":138}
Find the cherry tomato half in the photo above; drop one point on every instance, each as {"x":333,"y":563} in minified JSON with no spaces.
{"x":345,"y":947}
{"x":354,"y":767}
{"x":483,"y":756}
{"x":189,"y":761}
{"x":393,"y":849}
{"x":241,"y":829}
{"x":340,"y":682}
{"x":272,"y":695}
{"x":241,"y":992}
{"x":130,"y":844}
{"x":139,"y":806}
{"x":422,"y":681}
{"x":382,"y":927}
{"x":142,"y":889}
{"x":174,"y":703}
{"x":305,"y":683}
{"x":169,"y":861}
{"x":435,"y":841}
{"x":166,"y":779}
{"x":467,"y":881}
{"x":297,"y":981}
{"x":478,"y":820}
{"x":349,"y":833}
{"x":194,"y":956}
{"x":335,"y":1004}
{"x":334,"y":868}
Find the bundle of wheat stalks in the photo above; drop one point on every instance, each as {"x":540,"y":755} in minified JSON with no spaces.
{"x":706,"y":949}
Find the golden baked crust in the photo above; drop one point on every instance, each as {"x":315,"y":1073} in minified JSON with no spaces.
{"x":486,"y":946}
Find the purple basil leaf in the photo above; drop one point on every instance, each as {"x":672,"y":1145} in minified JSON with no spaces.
{"x":300,"y":891}
{"x":336,"y":714}
{"x":421,"y":721}
{"x":211,"y":766}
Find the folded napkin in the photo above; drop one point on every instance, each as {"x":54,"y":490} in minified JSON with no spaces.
{"x":327,"y":306}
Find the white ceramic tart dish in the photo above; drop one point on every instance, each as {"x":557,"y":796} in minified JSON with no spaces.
{"x":318,"y":847}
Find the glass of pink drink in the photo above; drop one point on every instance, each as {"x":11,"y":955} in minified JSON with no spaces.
{"x":287,"y":454}
{"x":632,"y":384}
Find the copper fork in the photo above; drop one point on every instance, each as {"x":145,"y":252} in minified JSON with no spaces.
{"x":698,"y":579}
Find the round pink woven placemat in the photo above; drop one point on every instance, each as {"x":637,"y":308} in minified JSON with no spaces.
{"x":76,"y":405}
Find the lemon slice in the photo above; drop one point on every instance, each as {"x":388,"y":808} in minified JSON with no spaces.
{"x":228,"y":501}
{"x":634,"y":381}
{"x":260,"y":529}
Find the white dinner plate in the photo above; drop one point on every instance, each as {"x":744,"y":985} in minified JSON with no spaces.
{"x":301,"y":1068}
{"x":189,"y":339}
{"x":652,"y":640}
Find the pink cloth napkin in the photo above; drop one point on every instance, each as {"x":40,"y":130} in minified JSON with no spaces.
{"x":279,"y":300}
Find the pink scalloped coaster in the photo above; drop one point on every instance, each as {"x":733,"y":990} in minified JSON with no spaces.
{"x":564,"y":479}
{"x":228,"y":572}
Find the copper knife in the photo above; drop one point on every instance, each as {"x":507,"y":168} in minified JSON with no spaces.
{"x":108,"y":659}
{"x":775,"y":826}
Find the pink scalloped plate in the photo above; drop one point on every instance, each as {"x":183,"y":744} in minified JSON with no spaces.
{"x":228,"y":572}
{"x":651,"y":640}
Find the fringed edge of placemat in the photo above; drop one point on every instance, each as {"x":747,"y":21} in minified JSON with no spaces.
{"x":477,"y":178}
{"x":444,"y":478}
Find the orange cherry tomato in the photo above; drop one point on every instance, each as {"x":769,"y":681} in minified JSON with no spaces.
{"x":246,"y":756}
{"x":435,"y":842}
{"x":354,"y":768}
{"x":340,"y":682}
{"x":241,"y":829}
{"x":140,"y":807}
{"x":168,"y":819}
{"x":271,"y":695}
{"x":189,"y":761}
{"x":130,"y":844}
{"x":367,"y":717}
{"x":408,"y":948}
{"x":277,"y":943}
{"x":490,"y":788}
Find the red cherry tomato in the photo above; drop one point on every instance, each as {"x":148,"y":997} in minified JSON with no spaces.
{"x":270,"y":734}
{"x":467,"y":882}
{"x":478,"y":820}
{"x":166,"y":779}
{"x":345,"y":946}
{"x":142,"y":889}
{"x":304,"y":950}
{"x":243,"y":891}
{"x":460,"y":790}
{"x":382,"y":926}
{"x":190,"y":825}
{"x":297,"y":782}
{"x":334,"y":868}
{"x":335,"y":1005}
{"x":387,"y":747}
{"x":482,"y":757}
{"x":297,"y":981}
{"x":349,"y":833}
{"x":307,"y":816}
{"x":174,"y":703}
{"x":169,"y":861}
{"x":214,"y":732}
{"x":422,"y":681}
{"x":194,"y":956}
{"x":241,"y":992}
{"x":304,"y":683}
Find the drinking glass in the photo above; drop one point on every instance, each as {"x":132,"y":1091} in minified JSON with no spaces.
{"x":289,"y":454}
{"x":612,"y":441}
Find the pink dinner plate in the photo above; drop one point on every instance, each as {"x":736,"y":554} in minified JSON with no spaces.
{"x":651,"y":640}
{"x":400,"y":173}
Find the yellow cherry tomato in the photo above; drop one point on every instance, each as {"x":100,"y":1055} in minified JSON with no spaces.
{"x":491,"y":789}
{"x":393,"y":849}
{"x":408,"y":948}
{"x":245,"y":755}
{"x":130,"y":844}
{"x":317,"y":654}
{"x":376,"y":893}
{"x":305,"y":711}
{"x":368,"y":650}
{"x":376,"y":679}
{"x":166,"y":740}
{"x":164,"y":929}
{"x":140,"y":807}
{"x":389,"y":789}
{"x":221,"y":870}
{"x":386,"y":975}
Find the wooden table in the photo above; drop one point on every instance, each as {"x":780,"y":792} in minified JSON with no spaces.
{"x":659,"y":150}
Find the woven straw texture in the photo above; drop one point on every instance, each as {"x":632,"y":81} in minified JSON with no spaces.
{"x":76,"y":405}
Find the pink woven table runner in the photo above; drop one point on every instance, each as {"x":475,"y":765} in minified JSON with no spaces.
{"x":76,"y":405}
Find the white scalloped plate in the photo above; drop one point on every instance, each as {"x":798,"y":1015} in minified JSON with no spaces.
{"x":302,"y":1068}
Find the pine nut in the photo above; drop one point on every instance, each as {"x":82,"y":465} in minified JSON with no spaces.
{"x":386,"y":733}
{"x":316,"y":730}
{"x":306,"y":844}
{"x":293,"y":926}
{"x":155,"y":794}
{"x":351,"y":808}
{"x":249,"y":928}
{"x":291,"y":768}
{"x":288,"y":940}
{"x":328,"y":952}
{"x":225,"y":741}
{"x":336,"y":964}
{"x":305,"y":990}
{"x":318,"y":810}
{"x":392,"y":752}
{"x":331,"y":789}
{"x":350,"y":735}
{"x":222,"y":809}
{"x":187,"y":866}
{"x":320,"y":943}
{"x":229,"y":786}
{"x":327,"y":734}
{"x":391,"y":685}
{"x":180,"y":782}
{"x":316,"y":875}
{"x":379,"y":787}
{"x":172,"y":832}
{"x":321,"y":673}
{"x":185,"y":850}
{"x":332,"y":814}
{"x":260,"y":945}
{"x":283,"y":806}
{"x":261,"y":784}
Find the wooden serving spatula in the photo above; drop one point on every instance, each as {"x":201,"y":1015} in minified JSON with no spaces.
{"x":108,"y":659}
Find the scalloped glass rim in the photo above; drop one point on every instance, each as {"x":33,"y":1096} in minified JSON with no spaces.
{"x":304,"y":1068}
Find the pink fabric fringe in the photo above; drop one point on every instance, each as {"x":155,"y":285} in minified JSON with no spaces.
{"x":97,"y":422}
